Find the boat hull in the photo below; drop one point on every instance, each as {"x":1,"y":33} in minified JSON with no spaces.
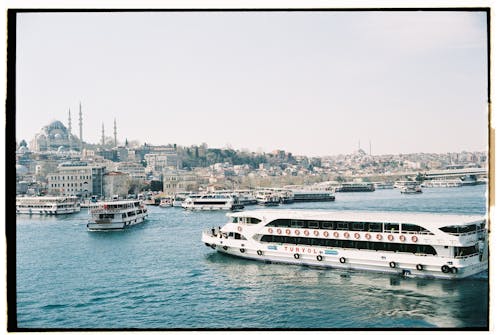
{"x":94,"y":226}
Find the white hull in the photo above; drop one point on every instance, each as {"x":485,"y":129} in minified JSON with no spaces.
{"x":367,"y":260}
{"x":116,"y":225}
{"x":116,"y":215}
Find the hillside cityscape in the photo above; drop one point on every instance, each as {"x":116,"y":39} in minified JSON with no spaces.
{"x":56,"y":162}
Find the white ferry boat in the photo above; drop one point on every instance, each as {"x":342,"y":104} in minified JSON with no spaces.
{"x":109,"y":215}
{"x":443,"y":183}
{"x":209,"y":202}
{"x":413,"y":244}
{"x":305,"y":196}
{"x":47,"y":205}
{"x":267,"y":198}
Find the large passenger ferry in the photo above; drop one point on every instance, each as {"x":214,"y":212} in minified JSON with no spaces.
{"x":209,"y":202}
{"x":109,"y":215}
{"x":413,"y":244}
{"x":47,"y":205}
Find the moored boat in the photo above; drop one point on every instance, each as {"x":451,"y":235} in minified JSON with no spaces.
{"x":412,"y":244}
{"x":355,"y":187}
{"x":209,"y":202}
{"x":47,"y":205}
{"x":113,"y":215}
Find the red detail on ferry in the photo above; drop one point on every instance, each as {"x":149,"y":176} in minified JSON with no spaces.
{"x":240,"y":229}
{"x":402,"y":238}
{"x":414,"y":238}
{"x":325,"y":234}
{"x":379,"y":237}
{"x":297,"y":232}
{"x":287,"y":231}
{"x":356,"y":236}
{"x":316,"y":233}
{"x":336,"y":234}
{"x":278,"y":231}
{"x":346,"y":235}
{"x":368,"y":236}
{"x":390,"y":237}
{"x":270,"y":230}
{"x":306,"y":232}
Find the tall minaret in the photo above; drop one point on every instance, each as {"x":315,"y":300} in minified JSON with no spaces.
{"x":115,"y":132}
{"x":80,"y":123}
{"x":69,"y":129}
{"x":102,"y":137}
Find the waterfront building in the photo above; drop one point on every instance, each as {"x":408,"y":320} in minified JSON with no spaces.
{"x":176,"y":181}
{"x":77,"y":178}
{"x":133,"y":169}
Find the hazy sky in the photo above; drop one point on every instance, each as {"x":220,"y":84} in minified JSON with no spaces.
{"x":311,"y":83}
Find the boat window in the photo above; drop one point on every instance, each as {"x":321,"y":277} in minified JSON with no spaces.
{"x":297,"y":224}
{"x":465,"y":251}
{"x":254,"y":220}
{"x":391,"y":227}
{"x":235,"y":220}
{"x":280,"y":223}
{"x":312,"y":224}
{"x":413,"y":228}
{"x":326,"y":224}
{"x":458,"y":230}
{"x":342,"y":226}
{"x":358,"y":226}
{"x":375,"y":227}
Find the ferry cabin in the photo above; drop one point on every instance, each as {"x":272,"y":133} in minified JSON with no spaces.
{"x":417,"y":244}
{"x":111,"y":215}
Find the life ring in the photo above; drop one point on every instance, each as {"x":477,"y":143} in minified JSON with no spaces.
{"x":242,"y":250}
{"x":270,"y":230}
{"x":319,"y":258}
{"x":240,"y":229}
{"x":368,"y":236}
{"x":453,"y":270}
{"x":346,"y":235}
{"x":316,"y":233}
{"x":297,"y":232}
{"x":414,"y":238}
{"x":357,"y":236}
{"x":390,"y":237}
{"x":420,"y":267}
{"x":105,"y":206}
{"x":325,"y":234}
{"x":336,"y":234}
{"x":445,"y":268}
{"x":402,"y":238}
{"x":306,"y":232}
{"x":342,"y":260}
{"x":379,"y":237}
{"x":278,"y":231}
{"x":392,"y":264}
{"x":287,"y":231}
{"x":296,"y":256}
{"x":259,"y":252}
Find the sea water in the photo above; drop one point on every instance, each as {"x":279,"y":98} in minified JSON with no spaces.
{"x":159,"y":275}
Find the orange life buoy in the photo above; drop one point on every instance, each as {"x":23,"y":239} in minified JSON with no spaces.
{"x":379,"y":237}
{"x":287,"y":231}
{"x":414,"y":238}
{"x":390,"y":237}
{"x":297,"y":232}
{"x":325,"y":234}
{"x":336,"y":234}
{"x":240,"y":229}
{"x":306,"y":232}
{"x":402,"y":238}
{"x":346,"y":235}
{"x":278,"y":231}
{"x":356,"y":236}
{"x":270,"y":230}
{"x":368,"y":236}
{"x":316,"y":233}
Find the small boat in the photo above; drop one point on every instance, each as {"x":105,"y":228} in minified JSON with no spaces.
{"x":112,"y":215}
{"x":166,"y":202}
{"x":267,"y":198}
{"x":411,"y":190}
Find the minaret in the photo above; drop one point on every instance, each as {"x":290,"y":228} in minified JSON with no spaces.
{"x":115,"y":132}
{"x":69,"y":129}
{"x":80,"y":123}
{"x":102,"y":138}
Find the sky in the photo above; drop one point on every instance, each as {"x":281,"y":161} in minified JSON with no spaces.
{"x":310,"y":83}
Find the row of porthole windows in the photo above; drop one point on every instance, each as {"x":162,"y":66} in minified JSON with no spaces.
{"x":350,"y":226}
{"x":350,"y":244}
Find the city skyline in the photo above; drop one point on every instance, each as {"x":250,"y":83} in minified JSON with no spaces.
{"x":310,"y":83}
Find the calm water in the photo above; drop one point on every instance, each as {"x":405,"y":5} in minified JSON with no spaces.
{"x":160,"y":275}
